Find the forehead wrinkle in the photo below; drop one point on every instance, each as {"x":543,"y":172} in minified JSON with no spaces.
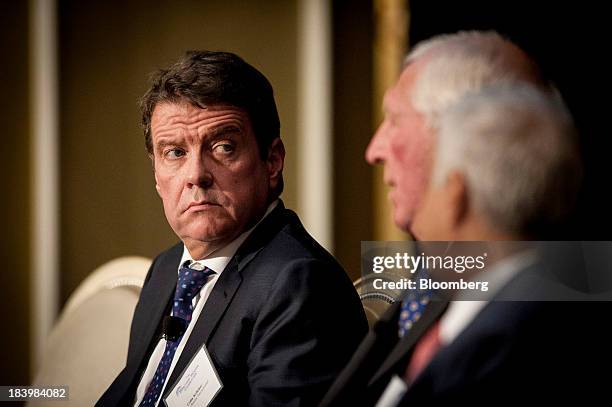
{"x":219,"y":123}
{"x":202,"y":123}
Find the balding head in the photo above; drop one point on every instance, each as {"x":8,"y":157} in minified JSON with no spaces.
{"x":438,"y":72}
{"x":455,"y":64}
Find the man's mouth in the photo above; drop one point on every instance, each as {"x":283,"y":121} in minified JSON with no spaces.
{"x":200,"y":205}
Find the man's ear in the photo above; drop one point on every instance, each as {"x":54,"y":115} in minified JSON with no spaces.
{"x":157,"y":186}
{"x":155,"y":174}
{"x":275,"y":161}
{"x":457,"y":195}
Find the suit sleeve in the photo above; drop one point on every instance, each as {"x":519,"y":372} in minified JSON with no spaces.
{"x":136,"y":327}
{"x":304,"y":335}
{"x":116,"y":390}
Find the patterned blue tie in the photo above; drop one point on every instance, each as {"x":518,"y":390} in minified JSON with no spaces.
{"x":189,"y":283}
{"x":413,"y":305}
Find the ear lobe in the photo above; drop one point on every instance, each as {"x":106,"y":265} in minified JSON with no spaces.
{"x":276,"y":160}
{"x":157,"y":187}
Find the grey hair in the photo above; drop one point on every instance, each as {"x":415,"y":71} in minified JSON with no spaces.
{"x":517,"y":148}
{"x":466,"y":62}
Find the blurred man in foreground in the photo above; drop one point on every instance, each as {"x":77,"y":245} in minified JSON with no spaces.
{"x":506,"y":165}
{"x":437,"y":74}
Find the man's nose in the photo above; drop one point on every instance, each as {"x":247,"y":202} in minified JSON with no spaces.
{"x":375,"y":152}
{"x":199,"y":172}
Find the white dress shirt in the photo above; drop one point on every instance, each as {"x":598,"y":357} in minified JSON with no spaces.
{"x":216,"y":261}
{"x":461,"y":313}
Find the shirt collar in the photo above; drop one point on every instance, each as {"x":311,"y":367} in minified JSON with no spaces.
{"x":461,"y":313}
{"x":219,"y":259}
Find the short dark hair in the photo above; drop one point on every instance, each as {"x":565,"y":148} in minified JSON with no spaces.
{"x":209,"y":77}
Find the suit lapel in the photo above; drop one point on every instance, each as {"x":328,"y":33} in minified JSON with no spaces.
{"x":431,"y":314}
{"x":224,"y":290}
{"x":154,"y":302}
{"x":216,"y":304}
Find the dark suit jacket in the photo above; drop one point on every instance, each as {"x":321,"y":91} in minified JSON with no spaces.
{"x":512,"y":351}
{"x":280,"y":323}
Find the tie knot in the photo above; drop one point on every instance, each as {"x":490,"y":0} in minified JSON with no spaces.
{"x":190,"y":280}
{"x":194,"y":265}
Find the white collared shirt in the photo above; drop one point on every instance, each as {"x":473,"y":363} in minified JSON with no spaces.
{"x":461,"y":313}
{"x":216,"y":261}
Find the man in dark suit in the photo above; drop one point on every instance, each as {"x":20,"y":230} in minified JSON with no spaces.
{"x":480,"y":344}
{"x":518,"y":140}
{"x":276,"y":314}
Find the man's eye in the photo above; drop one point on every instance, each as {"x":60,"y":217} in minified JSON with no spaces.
{"x":174,"y":153}
{"x":223,"y":148}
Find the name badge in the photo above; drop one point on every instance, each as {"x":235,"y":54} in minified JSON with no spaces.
{"x":199,"y":384}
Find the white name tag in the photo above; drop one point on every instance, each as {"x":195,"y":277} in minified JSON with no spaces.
{"x":198,"y":385}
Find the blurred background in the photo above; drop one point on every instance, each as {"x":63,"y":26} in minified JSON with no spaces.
{"x":78,"y":185}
